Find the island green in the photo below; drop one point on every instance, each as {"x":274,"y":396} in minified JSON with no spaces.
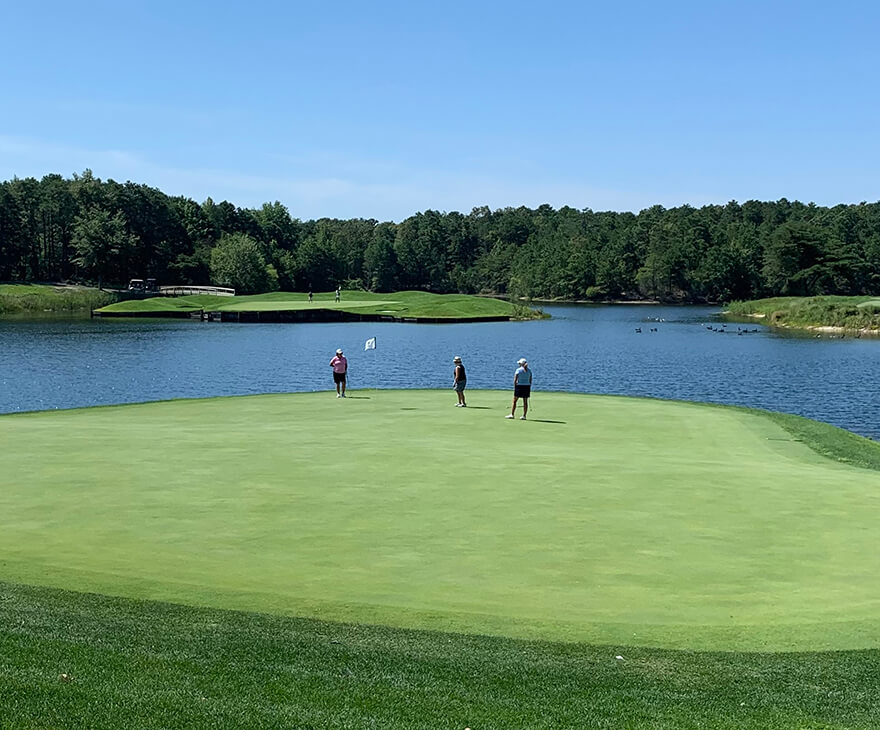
{"x":396,"y":305}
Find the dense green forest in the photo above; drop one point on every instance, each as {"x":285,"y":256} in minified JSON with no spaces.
{"x":88,"y":230}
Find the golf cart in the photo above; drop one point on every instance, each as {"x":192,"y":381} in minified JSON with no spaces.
{"x":142,"y":286}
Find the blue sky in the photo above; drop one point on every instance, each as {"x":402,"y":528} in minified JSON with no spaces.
{"x":382,"y":109}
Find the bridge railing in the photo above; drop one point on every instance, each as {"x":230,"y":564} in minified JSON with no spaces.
{"x":186,"y":291}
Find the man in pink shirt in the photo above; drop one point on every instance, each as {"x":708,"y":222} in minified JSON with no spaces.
{"x":340,"y":368}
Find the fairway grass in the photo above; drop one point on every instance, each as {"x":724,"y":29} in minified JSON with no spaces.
{"x":606,"y":520}
{"x":82,"y":661}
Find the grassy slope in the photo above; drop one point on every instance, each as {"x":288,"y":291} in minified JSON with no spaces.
{"x":614,"y":520}
{"x":155,"y":304}
{"x":830,"y":442}
{"x":397,"y":304}
{"x":134,"y":664}
{"x":25,"y":298}
{"x":828,"y":311}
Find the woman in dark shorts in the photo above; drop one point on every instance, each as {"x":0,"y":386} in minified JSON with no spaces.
{"x":459,"y":382}
{"x":522,"y":388}
{"x":340,"y":372}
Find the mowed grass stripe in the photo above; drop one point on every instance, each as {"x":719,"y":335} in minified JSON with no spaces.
{"x":292,"y":305}
{"x":614,"y":520}
{"x":85,"y":661}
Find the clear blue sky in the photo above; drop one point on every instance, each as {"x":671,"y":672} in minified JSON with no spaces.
{"x":382,"y":109}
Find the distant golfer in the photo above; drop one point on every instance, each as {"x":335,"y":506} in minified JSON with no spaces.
{"x":310,"y":296}
{"x":459,"y":381}
{"x":340,"y":369}
{"x":522,"y":388}
{"x":338,"y":294}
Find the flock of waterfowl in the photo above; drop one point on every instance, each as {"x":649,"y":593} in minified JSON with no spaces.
{"x":723,"y":329}
{"x":714,"y":328}
{"x":739,"y":330}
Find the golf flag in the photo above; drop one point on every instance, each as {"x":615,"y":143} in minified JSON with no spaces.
{"x":370,"y":344}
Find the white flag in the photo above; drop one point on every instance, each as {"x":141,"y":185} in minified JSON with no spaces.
{"x":370,"y":344}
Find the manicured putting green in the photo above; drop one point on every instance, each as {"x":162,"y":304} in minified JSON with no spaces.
{"x":609,"y":520}
{"x":402,"y":304}
{"x":293,"y":305}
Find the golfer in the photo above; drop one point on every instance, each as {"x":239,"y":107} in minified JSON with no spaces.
{"x":340,"y":369}
{"x":338,"y":293}
{"x":522,"y":388}
{"x":459,"y":382}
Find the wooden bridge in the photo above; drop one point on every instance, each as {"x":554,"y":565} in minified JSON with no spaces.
{"x":186,"y":291}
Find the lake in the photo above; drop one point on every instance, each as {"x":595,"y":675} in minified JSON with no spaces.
{"x":590,"y":349}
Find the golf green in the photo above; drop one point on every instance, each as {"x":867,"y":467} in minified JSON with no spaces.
{"x":608,"y":520}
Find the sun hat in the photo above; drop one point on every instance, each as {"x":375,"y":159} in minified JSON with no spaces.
{"x":456,"y":359}
{"x":339,"y":351}
{"x":521,"y":361}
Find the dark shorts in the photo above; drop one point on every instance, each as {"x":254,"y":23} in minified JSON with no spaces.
{"x":338,"y":377}
{"x":460,"y":385}
{"x":522,"y":391}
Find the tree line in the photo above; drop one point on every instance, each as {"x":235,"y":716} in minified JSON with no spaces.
{"x":89,"y":230}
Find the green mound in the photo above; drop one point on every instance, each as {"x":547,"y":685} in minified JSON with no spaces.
{"x":406,"y":304}
{"x":608,"y":520}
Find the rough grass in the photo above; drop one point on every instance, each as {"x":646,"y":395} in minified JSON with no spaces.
{"x":849,"y":313}
{"x":38,"y":298}
{"x":831,"y":442}
{"x":404,"y":304}
{"x":606,"y":520}
{"x":70,"y":660}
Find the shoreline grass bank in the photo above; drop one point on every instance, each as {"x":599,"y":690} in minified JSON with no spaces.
{"x":820,"y":314}
{"x":17,"y":299}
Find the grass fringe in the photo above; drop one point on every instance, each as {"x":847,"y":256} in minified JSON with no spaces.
{"x":78,"y":660}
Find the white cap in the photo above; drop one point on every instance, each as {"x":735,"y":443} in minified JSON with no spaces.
{"x":521,"y":361}
{"x":339,"y":351}
{"x":456,"y":359}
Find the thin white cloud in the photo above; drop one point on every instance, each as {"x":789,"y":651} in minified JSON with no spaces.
{"x":352,"y":188}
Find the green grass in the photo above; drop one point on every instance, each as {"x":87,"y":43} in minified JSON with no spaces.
{"x":849,"y":313}
{"x":155,"y":305}
{"x":397,"y":304}
{"x":611,"y":520}
{"x":140,"y":664}
{"x":39,"y":298}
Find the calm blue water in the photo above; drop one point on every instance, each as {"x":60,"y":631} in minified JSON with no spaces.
{"x":63,"y":364}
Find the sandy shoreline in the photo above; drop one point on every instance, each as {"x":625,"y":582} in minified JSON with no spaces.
{"x":820,"y":328}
